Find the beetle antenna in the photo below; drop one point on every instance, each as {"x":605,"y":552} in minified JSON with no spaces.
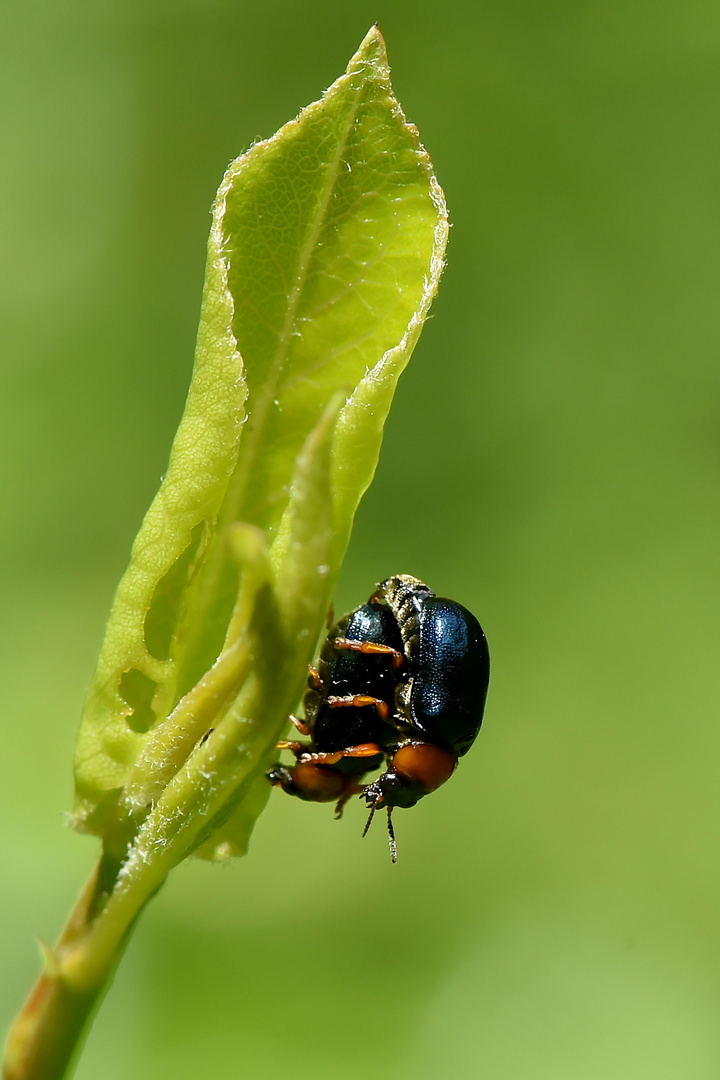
{"x":391,"y":836}
{"x":369,"y":820}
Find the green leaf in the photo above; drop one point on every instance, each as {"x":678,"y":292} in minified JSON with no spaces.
{"x":179,"y":523}
{"x":325,"y":253}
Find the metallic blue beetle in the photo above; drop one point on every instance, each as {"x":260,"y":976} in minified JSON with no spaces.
{"x":404,"y":677}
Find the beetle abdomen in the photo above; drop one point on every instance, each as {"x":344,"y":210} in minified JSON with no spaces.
{"x":346,"y":672}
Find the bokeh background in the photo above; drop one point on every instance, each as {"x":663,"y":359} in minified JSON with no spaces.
{"x":552,"y":461}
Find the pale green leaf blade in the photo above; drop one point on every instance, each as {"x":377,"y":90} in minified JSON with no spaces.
{"x":180,"y":520}
{"x":325,"y":252}
{"x":359,"y":431}
{"x":331,"y":235}
{"x":335,"y":230}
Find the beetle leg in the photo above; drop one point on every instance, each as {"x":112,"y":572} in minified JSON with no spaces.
{"x":298,"y":748}
{"x":360,"y":751}
{"x":354,"y":789}
{"x":358,"y":700}
{"x":299,"y":724}
{"x":314,"y":678}
{"x":371,"y":648}
{"x":366,"y":749}
{"x":330,"y":617}
{"x":311,"y":758}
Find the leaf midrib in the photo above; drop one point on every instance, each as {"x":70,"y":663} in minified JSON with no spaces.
{"x":258,"y":411}
{"x":251,"y":438}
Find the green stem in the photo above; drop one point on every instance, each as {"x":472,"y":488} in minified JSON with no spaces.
{"x":52,"y":1023}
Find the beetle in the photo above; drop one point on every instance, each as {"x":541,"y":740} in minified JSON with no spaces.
{"x":404,"y":677}
{"x":440,"y":705}
{"x":348,"y":705}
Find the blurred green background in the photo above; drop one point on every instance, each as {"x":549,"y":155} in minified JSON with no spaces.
{"x":552,"y":462}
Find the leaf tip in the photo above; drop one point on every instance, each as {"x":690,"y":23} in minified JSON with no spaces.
{"x":372,"y":51}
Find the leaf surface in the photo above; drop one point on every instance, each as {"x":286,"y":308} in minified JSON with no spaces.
{"x":325,"y":252}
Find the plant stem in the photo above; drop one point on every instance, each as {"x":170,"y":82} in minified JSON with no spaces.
{"x":53,"y":1021}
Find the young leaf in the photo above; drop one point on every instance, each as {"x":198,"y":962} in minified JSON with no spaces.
{"x":325,"y":252}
